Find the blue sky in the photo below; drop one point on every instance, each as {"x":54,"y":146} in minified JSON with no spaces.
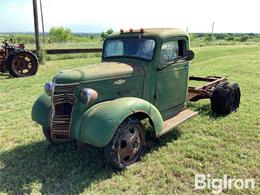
{"x":99,"y":15}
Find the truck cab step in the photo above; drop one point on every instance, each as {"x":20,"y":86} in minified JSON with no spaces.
{"x":171,"y":123}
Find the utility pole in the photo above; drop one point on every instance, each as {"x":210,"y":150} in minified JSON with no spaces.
{"x":212,"y":31}
{"x":43,"y":33}
{"x":36,"y":26}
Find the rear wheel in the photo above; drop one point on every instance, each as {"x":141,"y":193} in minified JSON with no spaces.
{"x":127,"y":146}
{"x":22,"y":64}
{"x":222,"y":99}
{"x":237,"y":94}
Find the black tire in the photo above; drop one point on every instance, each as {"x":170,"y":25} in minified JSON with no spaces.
{"x":222,"y":99}
{"x":122,"y":153}
{"x":237,"y":94}
{"x":22,"y":64}
{"x":47,"y":134}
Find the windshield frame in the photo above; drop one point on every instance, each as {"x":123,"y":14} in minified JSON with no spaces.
{"x":130,"y":56}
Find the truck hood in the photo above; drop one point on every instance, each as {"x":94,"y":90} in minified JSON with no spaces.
{"x":104,"y":70}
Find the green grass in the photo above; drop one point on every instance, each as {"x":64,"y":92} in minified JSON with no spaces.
{"x":69,"y":45}
{"x":201,"y":42}
{"x":205,"y":144}
{"x":79,"y":42}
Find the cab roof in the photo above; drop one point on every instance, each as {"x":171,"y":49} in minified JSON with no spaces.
{"x":162,"y":33}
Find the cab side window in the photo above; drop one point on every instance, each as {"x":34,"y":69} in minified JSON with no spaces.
{"x":172,"y":50}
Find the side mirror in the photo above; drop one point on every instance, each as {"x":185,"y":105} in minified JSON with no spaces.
{"x":189,"y":55}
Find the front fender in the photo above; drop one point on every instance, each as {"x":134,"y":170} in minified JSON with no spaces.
{"x":98,"y":125}
{"x":41,"y":110}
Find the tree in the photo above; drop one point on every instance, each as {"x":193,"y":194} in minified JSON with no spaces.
{"x":60,"y":34}
{"x":244,"y":38}
{"x":105,"y":34}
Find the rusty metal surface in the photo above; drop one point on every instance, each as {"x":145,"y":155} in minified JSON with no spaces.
{"x":24,"y":64}
{"x":63,"y":101}
{"x":2,"y":62}
{"x":208,"y":78}
{"x":3,"y":59}
{"x":204,"y":91}
{"x":19,"y":61}
{"x":197,"y":94}
{"x":130,"y":143}
{"x":3,"y":56}
{"x":176,"y":120}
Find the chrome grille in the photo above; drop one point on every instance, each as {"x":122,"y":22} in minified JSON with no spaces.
{"x":63,"y":100}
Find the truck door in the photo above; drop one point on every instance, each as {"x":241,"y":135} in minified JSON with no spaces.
{"x":172,"y":77}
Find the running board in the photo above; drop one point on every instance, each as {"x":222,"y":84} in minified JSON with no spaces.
{"x":182,"y":116}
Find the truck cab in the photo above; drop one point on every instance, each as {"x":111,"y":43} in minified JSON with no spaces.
{"x":159,"y":53}
{"x":143,"y":75}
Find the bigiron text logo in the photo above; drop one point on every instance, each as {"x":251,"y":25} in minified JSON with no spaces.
{"x":218,"y":185}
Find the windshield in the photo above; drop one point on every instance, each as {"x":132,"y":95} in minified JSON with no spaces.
{"x":130,"y":47}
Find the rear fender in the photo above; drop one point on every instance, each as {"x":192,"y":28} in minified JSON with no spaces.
{"x":99,"y":123}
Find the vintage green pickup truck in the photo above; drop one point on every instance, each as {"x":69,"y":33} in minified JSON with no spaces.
{"x":144,"y":74}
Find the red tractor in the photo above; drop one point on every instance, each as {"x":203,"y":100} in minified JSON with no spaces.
{"x":17,"y":60}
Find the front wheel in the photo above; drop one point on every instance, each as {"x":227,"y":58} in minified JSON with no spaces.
{"x":127,"y":146}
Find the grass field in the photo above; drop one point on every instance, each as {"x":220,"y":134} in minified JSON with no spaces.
{"x":205,"y":144}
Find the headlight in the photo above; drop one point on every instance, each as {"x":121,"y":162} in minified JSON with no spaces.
{"x":48,"y":87}
{"x":88,"y":96}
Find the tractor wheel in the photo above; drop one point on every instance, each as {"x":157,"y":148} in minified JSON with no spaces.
{"x":127,"y":146}
{"x":22,"y":64}
{"x":47,"y":134}
{"x":237,"y":94}
{"x":222,"y":99}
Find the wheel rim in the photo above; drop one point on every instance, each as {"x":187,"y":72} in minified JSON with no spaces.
{"x":24,"y":64}
{"x":130,"y":144}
